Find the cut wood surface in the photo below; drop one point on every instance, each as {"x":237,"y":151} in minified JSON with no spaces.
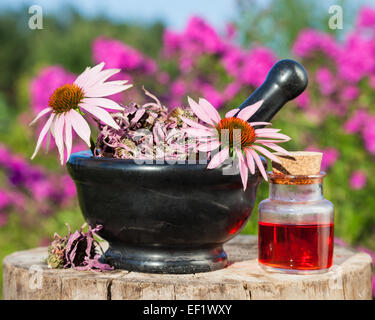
{"x":26,"y":276}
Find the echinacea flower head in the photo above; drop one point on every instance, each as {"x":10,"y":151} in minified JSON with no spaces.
{"x":68,"y":103}
{"x":235,"y":136}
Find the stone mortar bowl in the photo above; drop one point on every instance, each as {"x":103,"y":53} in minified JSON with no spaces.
{"x":162,"y":218}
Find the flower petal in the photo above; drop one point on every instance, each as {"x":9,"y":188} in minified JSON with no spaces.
{"x":103,"y":102}
{"x":276,"y":148}
{"x":248,"y":111}
{"x":42,"y":134}
{"x":281,"y":136}
{"x":199,"y":112}
{"x":80,"y":126}
{"x":40,"y":114}
{"x":59,"y":135}
{"x":193,"y":123}
{"x":210,"y":110}
{"x":250,"y":160}
{"x":209,"y":146}
{"x":259,"y":123}
{"x":267,"y":130}
{"x":243,"y":168}
{"x":231,"y":113}
{"x":100,"y":114}
{"x":218,"y":158}
{"x":82,"y":79}
{"x":105,"y":89}
{"x":259,"y":163}
{"x":68,"y":135}
{"x":100,"y":77}
{"x":268,"y":154}
{"x":199,"y":132}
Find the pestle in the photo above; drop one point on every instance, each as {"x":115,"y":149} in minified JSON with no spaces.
{"x":286,"y":80}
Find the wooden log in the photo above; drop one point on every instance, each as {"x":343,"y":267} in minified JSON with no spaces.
{"x":26,"y":276}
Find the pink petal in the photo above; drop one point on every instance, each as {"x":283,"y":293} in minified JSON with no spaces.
{"x":268,"y":154}
{"x":218,"y":158}
{"x":243,"y":169}
{"x":199,"y":112}
{"x":259,"y":123}
{"x":276,"y":148}
{"x":259,"y":163}
{"x":209,"y":146}
{"x":59,"y":135}
{"x":42,"y":134}
{"x":262,"y":141}
{"x":193,"y":123}
{"x":210,"y":110}
{"x":273,"y":136}
{"x":101,"y":77}
{"x":247,"y":112}
{"x":80,"y":126}
{"x":199,"y":132}
{"x":138,"y":115}
{"x":103,"y":102}
{"x":101,"y":114}
{"x":68,"y":135}
{"x":250,"y":160}
{"x":40,"y":114}
{"x":105,"y":89}
{"x":231,"y":113}
{"x":267,"y":130}
{"x":88,"y":74}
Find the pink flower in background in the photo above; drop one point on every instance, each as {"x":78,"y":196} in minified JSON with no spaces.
{"x":357,"y":59}
{"x":256,"y":65}
{"x":326,"y":81}
{"x":366,"y":18}
{"x":212,"y":95}
{"x":234,"y":134}
{"x":356,"y":122}
{"x":349,"y":93}
{"x":172,"y":42}
{"x":303,"y":100}
{"x":69,"y":187}
{"x":116,"y":54}
{"x":179,"y":88}
{"x":45,"y":84}
{"x":330,"y":156}
{"x":368,"y":134}
{"x":4,"y":199}
{"x":65,"y":104}
{"x":358,"y":180}
{"x":232,"y":89}
{"x":310,"y":41}
{"x":232,"y":60}
{"x":200,"y":35}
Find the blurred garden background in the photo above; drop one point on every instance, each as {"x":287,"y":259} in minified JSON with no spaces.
{"x":222,"y":61}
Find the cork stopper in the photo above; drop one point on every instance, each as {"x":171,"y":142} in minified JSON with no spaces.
{"x":298,"y":163}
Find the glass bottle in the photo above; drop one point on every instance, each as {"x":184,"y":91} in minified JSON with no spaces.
{"x":295,"y":225}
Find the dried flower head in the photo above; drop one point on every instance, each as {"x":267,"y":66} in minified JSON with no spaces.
{"x":146,"y":131}
{"x":76,"y":250}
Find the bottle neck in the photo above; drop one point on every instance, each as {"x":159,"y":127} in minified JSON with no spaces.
{"x":298,"y":192}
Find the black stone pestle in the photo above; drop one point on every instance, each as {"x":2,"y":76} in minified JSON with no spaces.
{"x":286,"y":80}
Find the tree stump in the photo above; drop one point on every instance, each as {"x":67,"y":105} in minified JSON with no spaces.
{"x":26,"y":276}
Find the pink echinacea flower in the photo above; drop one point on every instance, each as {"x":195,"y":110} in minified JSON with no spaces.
{"x":235,"y":136}
{"x":68,"y":102}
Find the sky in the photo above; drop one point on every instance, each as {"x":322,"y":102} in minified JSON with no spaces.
{"x":174,"y":13}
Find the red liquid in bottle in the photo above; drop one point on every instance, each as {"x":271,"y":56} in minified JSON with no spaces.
{"x":298,"y":247}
